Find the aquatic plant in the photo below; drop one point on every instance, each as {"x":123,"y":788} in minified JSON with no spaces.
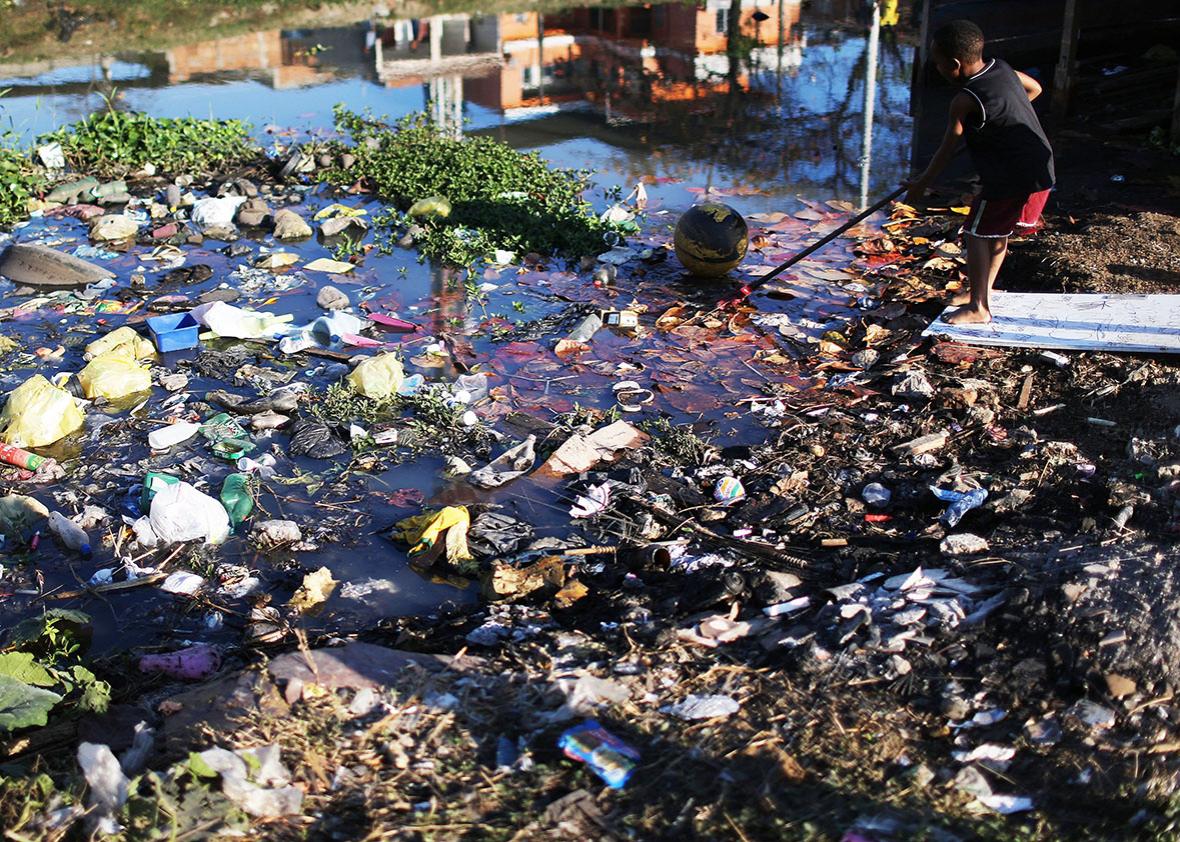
{"x":500,"y":199}
{"x":114,"y":143}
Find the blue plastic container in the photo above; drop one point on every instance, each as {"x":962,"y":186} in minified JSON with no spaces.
{"x":174,"y":332}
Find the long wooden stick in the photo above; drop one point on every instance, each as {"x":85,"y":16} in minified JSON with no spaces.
{"x":814,"y":247}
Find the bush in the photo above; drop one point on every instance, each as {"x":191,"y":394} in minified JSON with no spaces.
{"x":114,"y":143}
{"x":19,"y":182}
{"x":500,"y":198}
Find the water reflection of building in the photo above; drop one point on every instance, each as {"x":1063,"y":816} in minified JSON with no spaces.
{"x":286,"y":58}
{"x":625,"y":61}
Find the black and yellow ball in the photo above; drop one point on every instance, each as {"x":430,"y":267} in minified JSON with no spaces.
{"x":711,"y":239}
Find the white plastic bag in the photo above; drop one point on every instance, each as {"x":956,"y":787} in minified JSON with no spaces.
{"x":181,"y":513}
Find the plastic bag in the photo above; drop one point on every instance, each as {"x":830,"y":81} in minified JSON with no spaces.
{"x":236,"y":323}
{"x":38,"y":413}
{"x":124,"y":339}
{"x":114,"y":375}
{"x":377,"y":377}
{"x":181,"y":513}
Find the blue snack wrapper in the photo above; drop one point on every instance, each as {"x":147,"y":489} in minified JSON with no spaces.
{"x":607,"y":756}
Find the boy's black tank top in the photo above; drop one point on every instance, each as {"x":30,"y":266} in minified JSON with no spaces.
{"x":1007,"y":145}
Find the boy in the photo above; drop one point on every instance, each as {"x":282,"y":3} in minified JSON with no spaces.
{"x":993,"y":113}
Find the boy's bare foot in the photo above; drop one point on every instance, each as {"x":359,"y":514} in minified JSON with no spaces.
{"x":961,"y":298}
{"x":968,"y":315}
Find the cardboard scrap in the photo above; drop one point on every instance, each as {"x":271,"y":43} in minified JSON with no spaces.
{"x":580,"y":453}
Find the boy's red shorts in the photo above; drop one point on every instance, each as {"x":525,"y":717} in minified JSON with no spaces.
{"x":996,"y":218}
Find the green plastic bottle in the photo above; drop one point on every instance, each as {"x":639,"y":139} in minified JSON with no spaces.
{"x":237,"y":497}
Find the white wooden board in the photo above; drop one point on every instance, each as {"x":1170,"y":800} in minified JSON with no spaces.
{"x":1136,"y":323}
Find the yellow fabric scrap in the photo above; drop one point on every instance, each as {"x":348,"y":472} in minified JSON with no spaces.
{"x":422,"y":532}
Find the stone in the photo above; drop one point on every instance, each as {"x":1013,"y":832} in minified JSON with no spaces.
{"x":350,"y":225}
{"x":963,"y":544}
{"x":174,"y":381}
{"x":253,"y":213}
{"x":866,"y":358}
{"x":1120,"y":686}
{"x":274,"y":533}
{"x":225,"y":233}
{"x":331,"y":298}
{"x":1091,"y":714}
{"x":290,"y":226}
{"x":353,"y":666}
{"x":1045,"y":731}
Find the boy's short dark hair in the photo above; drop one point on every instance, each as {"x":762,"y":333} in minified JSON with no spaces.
{"x":960,"y":39}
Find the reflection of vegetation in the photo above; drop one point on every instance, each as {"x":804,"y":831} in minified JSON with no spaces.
{"x":114,"y":143}
{"x":500,"y":198}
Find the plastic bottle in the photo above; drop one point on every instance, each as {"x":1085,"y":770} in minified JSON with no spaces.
{"x":173,"y":434}
{"x":69,"y":533}
{"x":20,"y":458}
{"x":237,"y":498}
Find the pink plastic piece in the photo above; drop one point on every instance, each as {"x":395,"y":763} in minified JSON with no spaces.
{"x":191,"y":664}
{"x":393,"y":324}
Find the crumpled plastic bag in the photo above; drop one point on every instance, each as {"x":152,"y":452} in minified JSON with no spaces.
{"x":114,"y":375}
{"x":38,"y":413}
{"x":422,"y":533}
{"x":509,"y":465}
{"x":216,"y":210}
{"x":493,"y":534}
{"x":253,"y":778}
{"x":311,"y":438}
{"x":123,"y":339}
{"x":181,"y":513}
{"x":234,"y":322}
{"x":377,"y":377}
{"x":431,"y":206}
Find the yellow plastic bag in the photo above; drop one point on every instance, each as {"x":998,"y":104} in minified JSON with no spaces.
{"x":423,"y":531}
{"x":377,"y":377}
{"x":124,"y":339}
{"x":114,"y":375}
{"x":38,"y":413}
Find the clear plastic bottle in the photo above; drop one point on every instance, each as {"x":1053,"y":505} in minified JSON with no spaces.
{"x":69,"y":533}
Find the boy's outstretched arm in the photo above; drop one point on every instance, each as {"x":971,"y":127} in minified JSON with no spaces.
{"x":963,"y":106}
{"x":1031,"y":86}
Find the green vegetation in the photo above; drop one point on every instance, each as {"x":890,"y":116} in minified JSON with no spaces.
{"x":19,"y":182}
{"x":41,"y":666}
{"x":500,"y":198}
{"x":113,"y":143}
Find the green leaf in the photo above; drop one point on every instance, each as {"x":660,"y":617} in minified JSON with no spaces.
{"x":55,"y":623}
{"x":21,"y":667}
{"x":96,"y":694}
{"x":199,"y":767}
{"x":22,"y":705}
